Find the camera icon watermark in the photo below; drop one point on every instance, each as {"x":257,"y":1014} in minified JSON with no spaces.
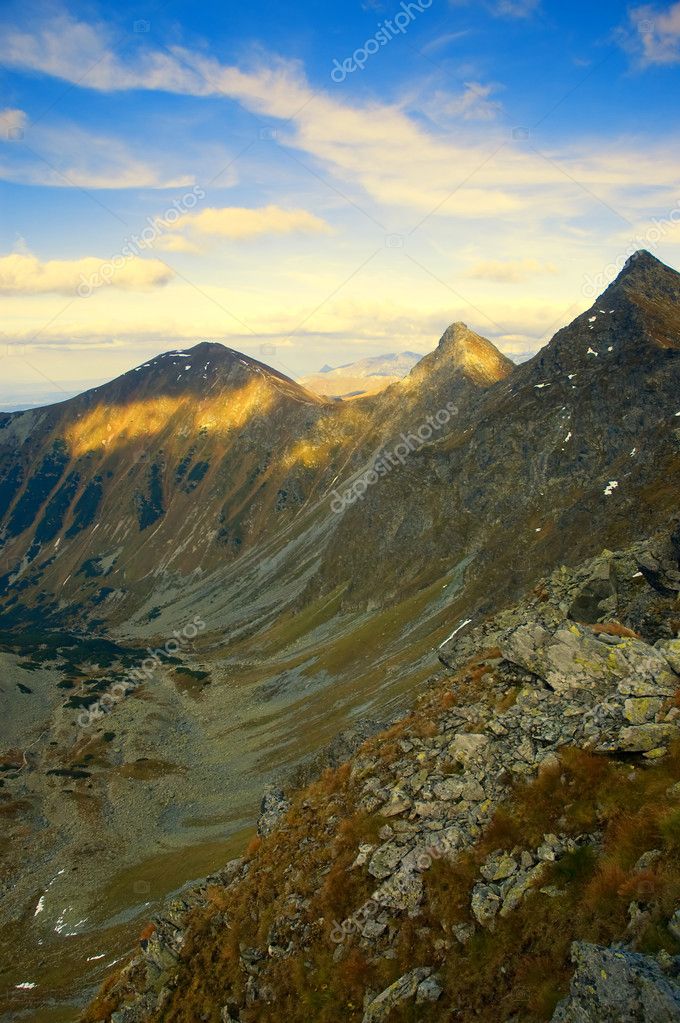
{"x":646,"y":27}
{"x":15,"y":134}
{"x":394,"y":241}
{"x":268,"y":351}
{"x":521,"y":134}
{"x":141,"y":887}
{"x":268,"y":134}
{"x":16,"y":349}
{"x":141,"y":26}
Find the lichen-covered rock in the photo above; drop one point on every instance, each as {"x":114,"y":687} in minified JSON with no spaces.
{"x":670,"y":648}
{"x":406,"y":987}
{"x":643,"y":738}
{"x":485,"y":905}
{"x":467,"y":746}
{"x":498,"y":866}
{"x":385,"y":860}
{"x":616,"y":986}
{"x":272,"y":808}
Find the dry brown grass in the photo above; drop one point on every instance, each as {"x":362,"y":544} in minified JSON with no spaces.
{"x":614,"y":629}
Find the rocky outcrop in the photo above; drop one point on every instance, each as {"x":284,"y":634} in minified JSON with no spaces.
{"x":613,"y":985}
{"x":536,"y":682}
{"x":273,"y":807}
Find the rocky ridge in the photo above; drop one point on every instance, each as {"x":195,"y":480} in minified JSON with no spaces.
{"x":588,"y":666}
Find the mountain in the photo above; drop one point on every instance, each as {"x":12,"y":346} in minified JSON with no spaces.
{"x":274,"y":568}
{"x":506,"y":851}
{"x":365,"y":376}
{"x":461,"y":350}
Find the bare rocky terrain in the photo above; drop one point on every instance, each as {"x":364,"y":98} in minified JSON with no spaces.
{"x":332,"y":553}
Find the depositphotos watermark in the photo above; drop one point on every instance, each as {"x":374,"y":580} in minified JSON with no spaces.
{"x":388,"y":460}
{"x":387,"y":30}
{"x":144,"y":673}
{"x":136,"y":243}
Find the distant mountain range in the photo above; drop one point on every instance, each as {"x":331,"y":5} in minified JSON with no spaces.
{"x":365,"y":376}
{"x":325,"y":548}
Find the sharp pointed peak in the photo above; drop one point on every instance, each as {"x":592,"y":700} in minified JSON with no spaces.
{"x":641,"y":259}
{"x":462,"y":350}
{"x":642,"y":270}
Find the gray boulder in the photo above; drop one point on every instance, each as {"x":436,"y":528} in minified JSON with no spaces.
{"x":272,"y":808}
{"x":616,"y":986}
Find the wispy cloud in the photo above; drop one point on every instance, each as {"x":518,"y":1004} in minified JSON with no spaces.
{"x":517,"y":8}
{"x":442,"y":41}
{"x":473,"y":104}
{"x":379,"y":148}
{"x":512,"y":271}
{"x":653,"y":34}
{"x":64,"y":155}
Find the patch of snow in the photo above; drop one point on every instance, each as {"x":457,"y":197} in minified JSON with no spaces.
{"x":188,"y":367}
{"x":638,"y":575}
{"x":539,"y":529}
{"x":468,"y":621}
{"x":611,"y":348}
{"x":41,"y":905}
{"x":591,"y":351}
{"x":93,"y":959}
{"x":592,"y":319}
{"x":541,"y":385}
{"x":568,"y":437}
{"x":633,"y":452}
{"x":26,"y":985}
{"x":611,"y":487}
{"x":677,"y":413}
{"x":571,"y":376}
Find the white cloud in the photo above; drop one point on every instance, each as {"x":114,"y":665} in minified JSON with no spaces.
{"x":66,"y":156}
{"x":241,"y":223}
{"x":379,"y":148}
{"x":25,"y":274}
{"x":441,"y":42}
{"x":655,"y":34}
{"x":510,"y":271}
{"x":517,"y":8}
{"x":12,"y":123}
{"x":473,"y":104}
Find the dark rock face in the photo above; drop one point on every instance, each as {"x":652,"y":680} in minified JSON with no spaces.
{"x":617,"y":986}
{"x":581,"y":441}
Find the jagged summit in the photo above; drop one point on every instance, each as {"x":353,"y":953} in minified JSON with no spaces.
{"x":461,"y":350}
{"x":642,"y":259}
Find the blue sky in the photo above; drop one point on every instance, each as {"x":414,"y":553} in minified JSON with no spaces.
{"x":323,"y":183}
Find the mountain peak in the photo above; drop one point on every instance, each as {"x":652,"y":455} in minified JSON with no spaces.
{"x":461,"y":350}
{"x":642,"y":259}
{"x":644,"y":274}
